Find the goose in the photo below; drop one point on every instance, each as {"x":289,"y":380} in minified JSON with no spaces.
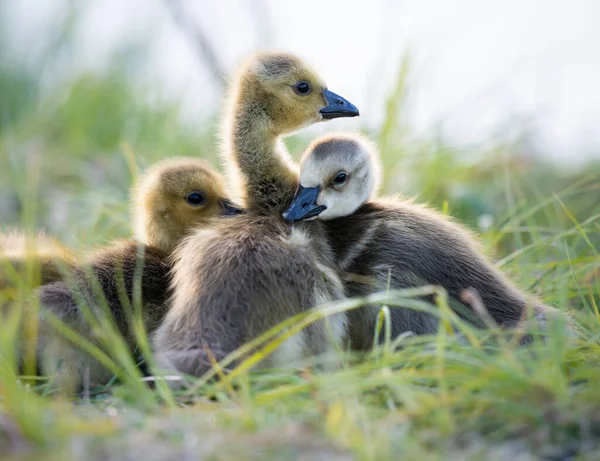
{"x":234,"y":281}
{"x":170,"y":199}
{"x":394,"y":242}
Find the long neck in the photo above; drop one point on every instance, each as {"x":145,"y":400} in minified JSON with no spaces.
{"x":256,"y":157}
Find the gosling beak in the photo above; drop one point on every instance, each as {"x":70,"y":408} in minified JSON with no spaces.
{"x":230,"y":209}
{"x":304,"y":205}
{"x":337,"y":107}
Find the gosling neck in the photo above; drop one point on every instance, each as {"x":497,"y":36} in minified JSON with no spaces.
{"x":151,"y":230}
{"x":256,"y":156}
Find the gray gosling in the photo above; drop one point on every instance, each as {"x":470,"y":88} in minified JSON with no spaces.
{"x":170,"y":199}
{"x":240,"y":278}
{"x":394,"y":241}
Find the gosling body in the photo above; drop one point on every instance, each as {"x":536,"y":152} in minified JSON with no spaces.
{"x":240,"y":285}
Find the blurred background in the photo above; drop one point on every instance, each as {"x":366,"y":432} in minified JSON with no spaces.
{"x":481,"y":109}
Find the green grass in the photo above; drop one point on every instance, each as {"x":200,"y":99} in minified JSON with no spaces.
{"x":67,"y":160}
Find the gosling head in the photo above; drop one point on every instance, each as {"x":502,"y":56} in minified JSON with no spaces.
{"x":290,"y":93}
{"x":338,"y":173}
{"x":174,"y":196}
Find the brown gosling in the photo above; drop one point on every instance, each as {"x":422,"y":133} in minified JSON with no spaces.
{"x":173,"y":197}
{"x":245,"y":275}
{"x":395,"y":242}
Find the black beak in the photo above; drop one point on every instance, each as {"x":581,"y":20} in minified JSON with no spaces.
{"x":230,"y":209}
{"x":304,"y":205}
{"x":337,"y":106}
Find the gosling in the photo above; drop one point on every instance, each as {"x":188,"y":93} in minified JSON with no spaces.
{"x":395,"y":242}
{"x":171,"y":199}
{"x":235,"y":281}
{"x":47,"y":257}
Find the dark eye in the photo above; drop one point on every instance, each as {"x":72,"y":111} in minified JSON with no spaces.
{"x":302,"y":88}
{"x":340,"y":178}
{"x":195,"y":199}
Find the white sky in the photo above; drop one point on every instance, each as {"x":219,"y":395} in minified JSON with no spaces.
{"x":477,"y":66}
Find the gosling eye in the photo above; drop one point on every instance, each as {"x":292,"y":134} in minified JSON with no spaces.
{"x":196,"y":199}
{"x":302,"y":88}
{"x":340,"y":179}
